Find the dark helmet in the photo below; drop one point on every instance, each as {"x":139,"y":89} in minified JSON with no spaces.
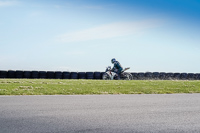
{"x":113,"y":60}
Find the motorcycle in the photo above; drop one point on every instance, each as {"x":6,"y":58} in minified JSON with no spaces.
{"x":111,"y":74}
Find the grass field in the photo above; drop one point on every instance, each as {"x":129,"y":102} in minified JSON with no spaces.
{"x":84,"y":87}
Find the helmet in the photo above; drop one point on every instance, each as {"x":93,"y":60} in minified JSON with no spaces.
{"x":113,"y":60}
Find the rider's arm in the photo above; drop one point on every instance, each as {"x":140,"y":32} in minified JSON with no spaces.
{"x":114,"y":67}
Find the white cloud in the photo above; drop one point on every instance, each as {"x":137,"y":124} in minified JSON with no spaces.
{"x":108,"y":31}
{"x":7,"y":3}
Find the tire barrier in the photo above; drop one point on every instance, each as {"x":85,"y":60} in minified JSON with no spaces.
{"x":95,"y":75}
{"x":27,"y":74}
{"x":81,"y":75}
{"x":58,"y":75}
{"x":3,"y":74}
{"x":156,"y":75}
{"x":35,"y":74}
{"x":50,"y":74}
{"x":89,"y":75}
{"x":42,"y":74}
{"x":19,"y":74}
{"x":66,"y":75}
{"x":148,"y":75}
{"x":135,"y":77}
{"x":141,"y":76}
{"x":177,"y":76}
{"x":162,"y":75}
{"x":183,"y":76}
{"x":169,"y":76}
{"x":196,"y":76}
{"x":74,"y":75}
{"x":11,"y":74}
{"x":190,"y":76}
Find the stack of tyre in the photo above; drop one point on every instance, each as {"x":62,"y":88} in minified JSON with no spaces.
{"x":49,"y":74}
{"x":95,"y":75}
{"x":165,"y":76}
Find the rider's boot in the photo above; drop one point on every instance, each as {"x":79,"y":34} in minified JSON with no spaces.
{"x":118,"y":76}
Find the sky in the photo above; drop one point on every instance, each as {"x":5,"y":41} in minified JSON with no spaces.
{"x":84,"y":35}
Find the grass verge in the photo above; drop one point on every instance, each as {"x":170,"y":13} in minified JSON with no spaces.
{"x":84,"y":87}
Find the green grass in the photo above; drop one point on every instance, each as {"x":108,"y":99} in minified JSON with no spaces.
{"x":83,"y":87}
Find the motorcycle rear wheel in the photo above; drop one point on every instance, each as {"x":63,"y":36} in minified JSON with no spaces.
{"x":127,"y":76}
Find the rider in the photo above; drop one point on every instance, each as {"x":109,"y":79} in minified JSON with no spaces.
{"x":117,"y":67}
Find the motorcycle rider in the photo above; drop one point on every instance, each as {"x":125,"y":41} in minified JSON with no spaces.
{"x":117,"y":67}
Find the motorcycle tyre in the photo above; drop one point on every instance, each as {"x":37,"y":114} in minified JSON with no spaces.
{"x":127,"y":76}
{"x":105,"y":76}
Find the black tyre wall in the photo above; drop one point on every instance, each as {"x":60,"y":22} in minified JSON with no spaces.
{"x":183,"y":76}
{"x":148,"y":75}
{"x":74,"y":75}
{"x":141,"y":76}
{"x":11,"y":74}
{"x":58,"y":75}
{"x":135,"y":76}
{"x":198,"y":77}
{"x":3,"y":74}
{"x":50,"y":74}
{"x":177,"y":76}
{"x":27,"y":74}
{"x":162,"y":75}
{"x":89,"y":75}
{"x":81,"y":75}
{"x":42,"y":74}
{"x":19,"y":74}
{"x":66,"y":75}
{"x":156,"y":75}
{"x":169,"y":76}
{"x":94,"y":75}
{"x":97,"y":75}
{"x":190,"y":76}
{"x":35,"y":74}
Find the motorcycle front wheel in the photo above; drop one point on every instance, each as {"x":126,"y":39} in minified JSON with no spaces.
{"x":105,"y":76}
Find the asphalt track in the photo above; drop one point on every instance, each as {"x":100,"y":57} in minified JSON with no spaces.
{"x":152,"y":113}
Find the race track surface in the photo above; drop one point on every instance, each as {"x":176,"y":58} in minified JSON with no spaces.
{"x":152,"y":113}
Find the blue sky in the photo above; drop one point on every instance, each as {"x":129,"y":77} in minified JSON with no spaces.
{"x":84,"y":35}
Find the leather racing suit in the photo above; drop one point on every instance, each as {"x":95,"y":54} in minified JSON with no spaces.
{"x":117,"y":67}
